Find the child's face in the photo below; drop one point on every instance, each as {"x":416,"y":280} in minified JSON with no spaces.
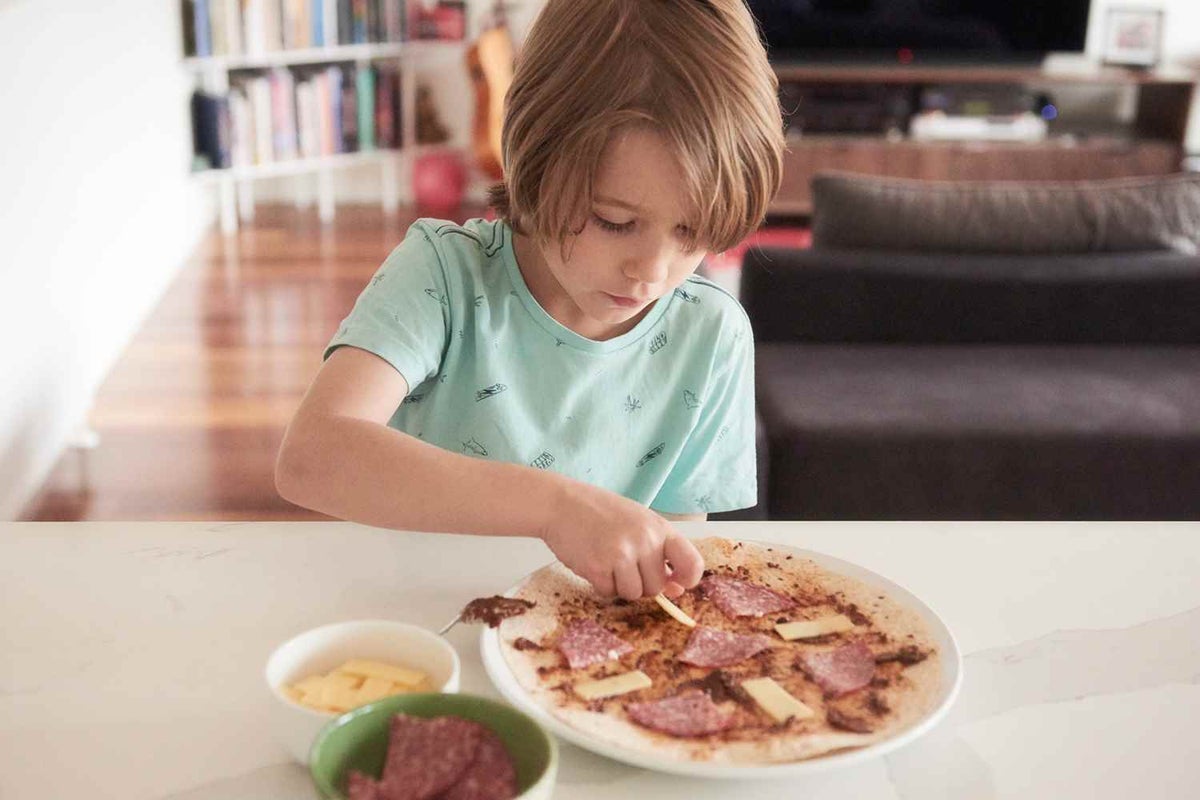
{"x":631,"y":250}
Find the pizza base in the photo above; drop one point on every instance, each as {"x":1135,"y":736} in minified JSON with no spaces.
{"x":559,"y":594}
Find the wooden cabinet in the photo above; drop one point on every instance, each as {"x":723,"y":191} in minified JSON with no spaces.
{"x":1154,"y":144}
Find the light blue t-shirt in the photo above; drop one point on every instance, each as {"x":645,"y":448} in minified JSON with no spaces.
{"x":663,"y":414}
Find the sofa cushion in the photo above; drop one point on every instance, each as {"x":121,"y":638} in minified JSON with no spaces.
{"x":875,"y":296}
{"x":981,"y":432}
{"x":860,"y":211}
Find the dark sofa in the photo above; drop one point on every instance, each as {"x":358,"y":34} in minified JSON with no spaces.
{"x":900,"y":385}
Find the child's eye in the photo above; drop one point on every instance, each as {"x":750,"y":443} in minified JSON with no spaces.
{"x":688,"y":237}
{"x":613,"y":227}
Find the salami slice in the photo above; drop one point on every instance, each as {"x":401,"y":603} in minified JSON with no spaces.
{"x":692,"y":713}
{"x":738,"y":598}
{"x":709,"y":647}
{"x":362,"y":787}
{"x":491,"y":775}
{"x":840,"y":671}
{"x":584,"y":642}
{"x":426,"y":756}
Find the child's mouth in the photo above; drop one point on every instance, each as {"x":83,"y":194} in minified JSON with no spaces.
{"x":623,"y":302}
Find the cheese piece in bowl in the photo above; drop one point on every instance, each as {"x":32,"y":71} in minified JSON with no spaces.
{"x":355,"y":683}
{"x":326,"y":671}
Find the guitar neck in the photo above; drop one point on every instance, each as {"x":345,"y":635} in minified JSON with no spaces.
{"x":498,"y":16}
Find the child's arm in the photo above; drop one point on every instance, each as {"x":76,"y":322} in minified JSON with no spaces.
{"x":339,"y":457}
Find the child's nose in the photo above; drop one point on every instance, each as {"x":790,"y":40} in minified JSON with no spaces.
{"x":651,"y":266}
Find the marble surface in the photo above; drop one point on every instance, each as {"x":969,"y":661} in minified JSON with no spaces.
{"x":131,"y":654}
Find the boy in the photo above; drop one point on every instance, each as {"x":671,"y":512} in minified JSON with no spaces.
{"x":559,"y":372}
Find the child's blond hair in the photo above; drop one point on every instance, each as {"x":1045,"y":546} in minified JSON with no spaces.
{"x":694,"y":71}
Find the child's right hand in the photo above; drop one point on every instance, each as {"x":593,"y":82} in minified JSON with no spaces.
{"x":619,"y":546}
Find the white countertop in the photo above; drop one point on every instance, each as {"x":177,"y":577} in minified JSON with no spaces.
{"x":131,"y":654}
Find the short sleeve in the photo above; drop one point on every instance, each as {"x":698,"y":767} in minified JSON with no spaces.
{"x":717,"y":469}
{"x":403,"y":315}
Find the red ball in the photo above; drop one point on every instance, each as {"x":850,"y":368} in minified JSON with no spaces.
{"x":439,"y":180}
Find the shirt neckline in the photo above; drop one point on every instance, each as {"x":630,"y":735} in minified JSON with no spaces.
{"x":560,"y":332}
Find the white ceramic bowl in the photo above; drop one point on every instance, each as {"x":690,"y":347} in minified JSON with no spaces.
{"x":322,"y":649}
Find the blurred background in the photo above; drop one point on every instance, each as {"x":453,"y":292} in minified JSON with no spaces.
{"x":195,"y":192}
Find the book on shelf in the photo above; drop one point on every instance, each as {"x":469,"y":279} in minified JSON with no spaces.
{"x":349,"y":114}
{"x":358,"y":24}
{"x":387,"y":106}
{"x":317,"y":20}
{"x":211,"y":130}
{"x":189,"y":27}
{"x":283,"y":113}
{"x":366,"y":108}
{"x":197,"y":27}
{"x":255,"y":27}
{"x":308,"y":111}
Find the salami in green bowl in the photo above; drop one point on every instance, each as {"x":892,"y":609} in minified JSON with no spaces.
{"x":436,"y":739}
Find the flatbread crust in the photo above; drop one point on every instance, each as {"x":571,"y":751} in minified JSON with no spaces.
{"x":900,"y":695}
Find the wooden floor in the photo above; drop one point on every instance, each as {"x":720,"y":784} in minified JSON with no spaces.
{"x":191,"y":416}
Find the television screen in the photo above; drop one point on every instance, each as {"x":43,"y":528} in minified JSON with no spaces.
{"x":920,"y":30}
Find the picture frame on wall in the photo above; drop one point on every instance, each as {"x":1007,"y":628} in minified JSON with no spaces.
{"x":1133,"y":36}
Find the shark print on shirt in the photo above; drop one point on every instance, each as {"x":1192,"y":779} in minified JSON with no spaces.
{"x":687,"y":296}
{"x":690,"y":400}
{"x":490,"y":391}
{"x":653,"y":454}
{"x":473,"y":447}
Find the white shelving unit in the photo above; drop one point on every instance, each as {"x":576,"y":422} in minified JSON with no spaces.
{"x":235,"y":186}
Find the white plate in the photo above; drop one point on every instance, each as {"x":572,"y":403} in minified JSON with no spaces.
{"x":498,"y":670}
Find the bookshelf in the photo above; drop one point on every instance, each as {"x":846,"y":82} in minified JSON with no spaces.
{"x":308,"y":88}
{"x":308,"y":55}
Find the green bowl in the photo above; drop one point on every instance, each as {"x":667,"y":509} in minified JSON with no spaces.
{"x":358,"y":740}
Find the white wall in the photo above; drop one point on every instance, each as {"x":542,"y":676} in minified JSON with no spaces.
{"x":96,"y":211}
{"x":1181,"y":42}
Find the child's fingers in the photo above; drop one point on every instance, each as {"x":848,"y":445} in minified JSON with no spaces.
{"x":687,"y":565}
{"x":654,"y":574}
{"x":628,"y":580}
{"x":603,"y":583}
{"x":672,"y":590}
